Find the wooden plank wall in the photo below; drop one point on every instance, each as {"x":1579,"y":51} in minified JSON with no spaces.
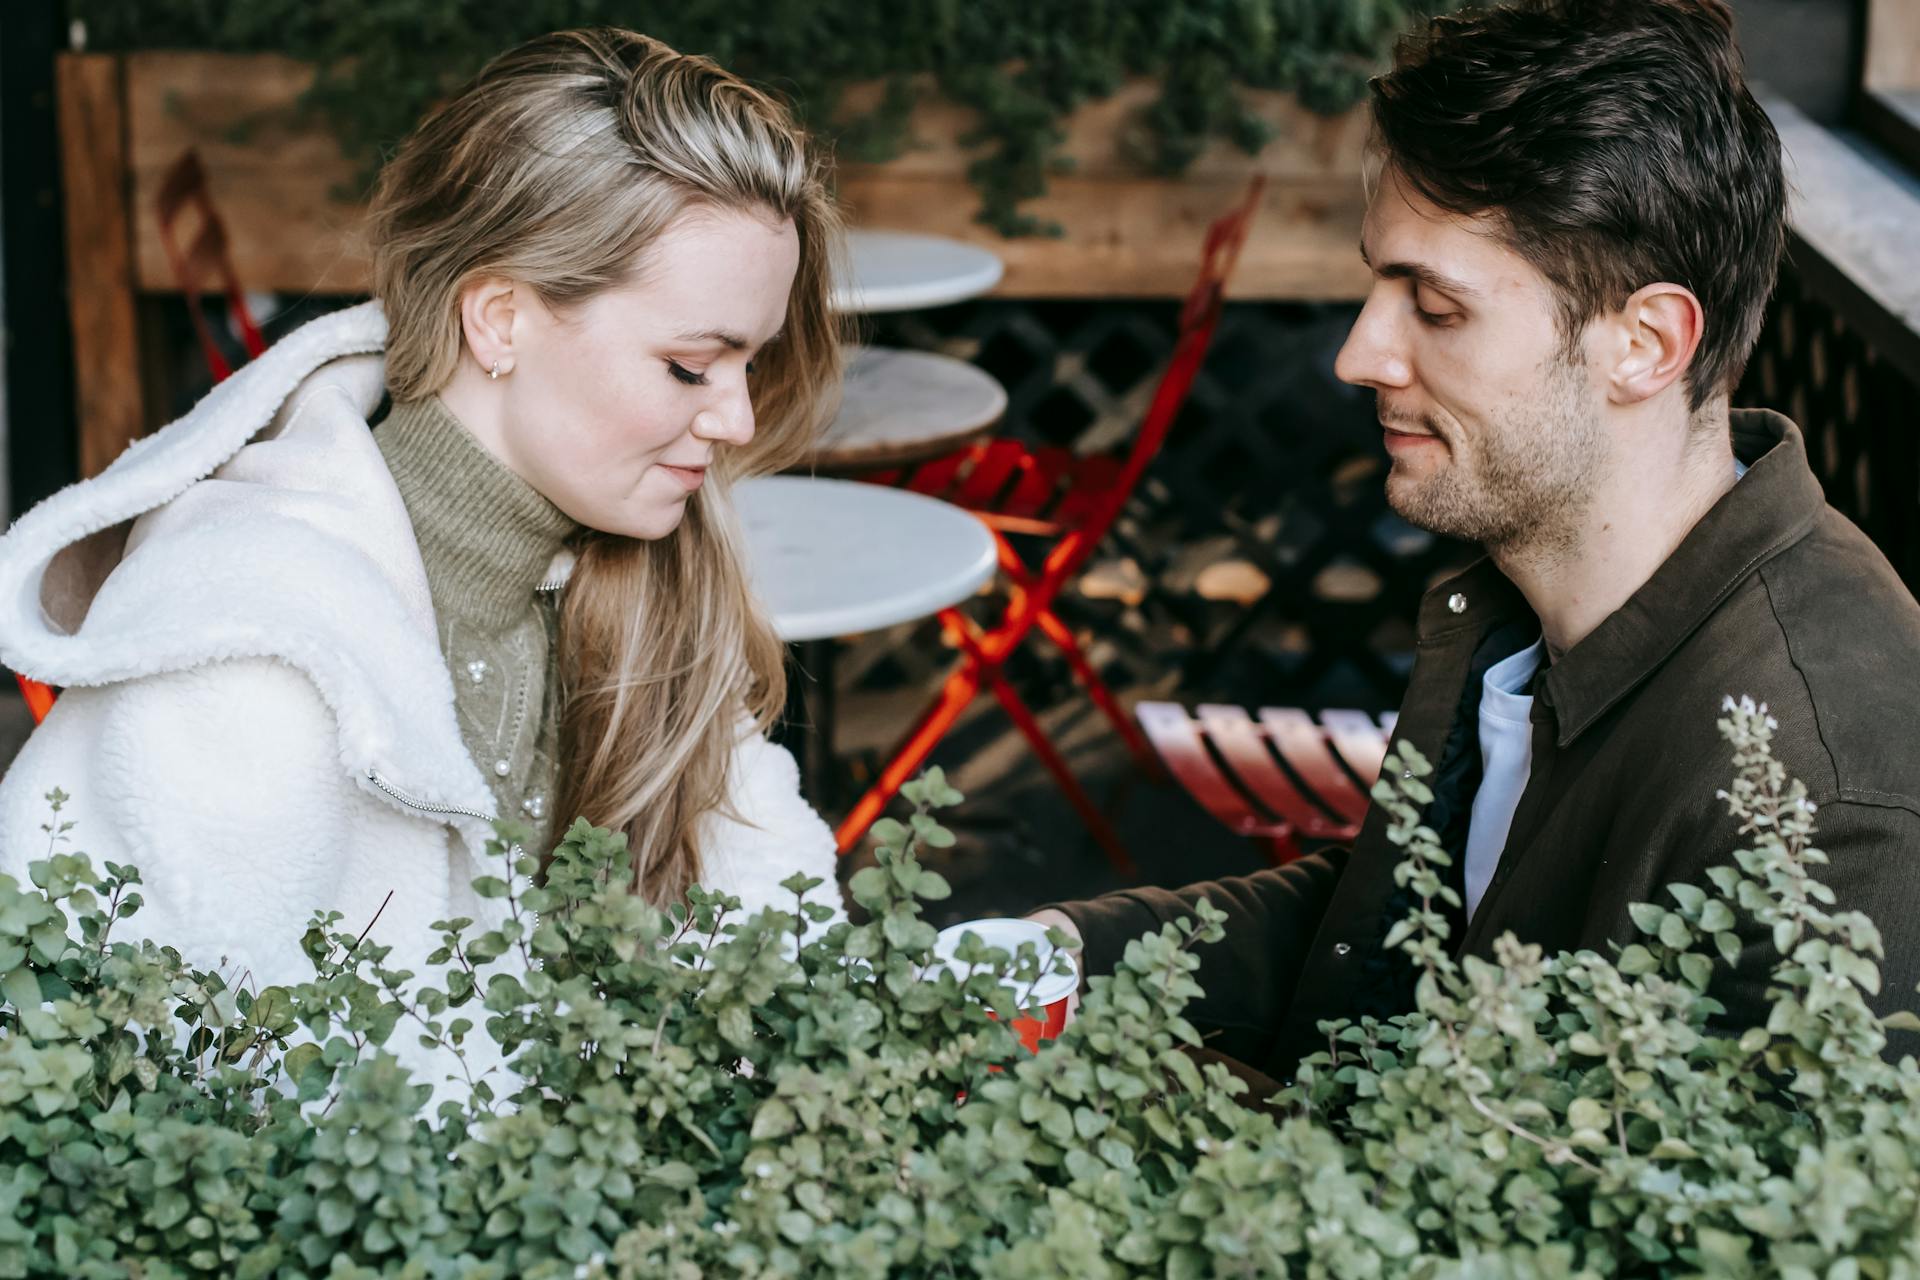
{"x":1127,"y":236}
{"x":100,"y":273}
{"x":286,"y":193}
{"x":1893,"y":45}
{"x":1134,"y":236}
{"x":273,"y":180}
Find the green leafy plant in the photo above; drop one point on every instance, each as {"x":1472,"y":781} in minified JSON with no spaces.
{"x":1020,"y":67}
{"x":694,"y":1094}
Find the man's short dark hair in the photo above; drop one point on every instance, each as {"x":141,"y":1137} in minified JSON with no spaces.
{"x":1616,"y":142}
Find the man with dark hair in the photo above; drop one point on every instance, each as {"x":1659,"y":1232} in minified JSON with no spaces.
{"x":1576,"y":224}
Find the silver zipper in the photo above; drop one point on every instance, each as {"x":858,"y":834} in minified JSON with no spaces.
{"x":423,"y":806}
{"x":557,"y":577}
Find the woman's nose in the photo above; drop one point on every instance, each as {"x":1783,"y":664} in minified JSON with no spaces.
{"x":730,"y":422}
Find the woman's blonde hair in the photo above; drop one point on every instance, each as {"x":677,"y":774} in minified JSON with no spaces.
{"x":557,"y":168}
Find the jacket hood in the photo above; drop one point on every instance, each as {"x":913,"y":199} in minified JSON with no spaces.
{"x":263,"y":524}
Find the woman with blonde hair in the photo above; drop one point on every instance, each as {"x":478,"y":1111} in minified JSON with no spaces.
{"x":307,"y":663}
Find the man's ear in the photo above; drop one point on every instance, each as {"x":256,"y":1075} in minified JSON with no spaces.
{"x":1658,"y":330}
{"x":487,"y":315}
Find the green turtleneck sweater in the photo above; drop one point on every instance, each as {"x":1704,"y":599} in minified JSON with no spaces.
{"x":489,"y":541}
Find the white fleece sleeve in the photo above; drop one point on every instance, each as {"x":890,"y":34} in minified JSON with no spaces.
{"x":776,"y":834}
{"x":217,"y":783}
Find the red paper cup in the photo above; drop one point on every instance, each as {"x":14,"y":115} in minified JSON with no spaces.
{"x":1043,"y":1003}
{"x":1032,"y":1031}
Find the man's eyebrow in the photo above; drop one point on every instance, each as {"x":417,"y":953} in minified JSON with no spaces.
{"x":725,"y":337}
{"x":1420,"y":273}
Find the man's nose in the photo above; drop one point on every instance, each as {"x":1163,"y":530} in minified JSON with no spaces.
{"x":1372,"y":355}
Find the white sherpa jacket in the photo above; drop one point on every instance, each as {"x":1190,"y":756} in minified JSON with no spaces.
{"x":256,"y":711}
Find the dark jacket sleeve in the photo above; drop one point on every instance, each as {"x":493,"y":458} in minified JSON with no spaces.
{"x":1248,"y":977}
{"x":1873,"y":866}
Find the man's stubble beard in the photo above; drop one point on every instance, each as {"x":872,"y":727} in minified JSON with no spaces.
{"x":1531,"y":477}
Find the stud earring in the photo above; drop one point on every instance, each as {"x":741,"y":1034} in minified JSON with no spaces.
{"x":494,"y":372}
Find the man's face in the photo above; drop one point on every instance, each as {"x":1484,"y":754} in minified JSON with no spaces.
{"x":1495,"y":434}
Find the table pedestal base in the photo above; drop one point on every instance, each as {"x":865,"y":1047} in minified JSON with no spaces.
{"x":806,"y":727}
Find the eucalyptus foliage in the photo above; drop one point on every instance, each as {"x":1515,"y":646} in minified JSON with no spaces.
{"x":1021,"y":66}
{"x":694,"y":1094}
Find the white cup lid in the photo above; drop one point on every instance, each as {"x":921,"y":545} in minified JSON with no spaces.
{"x":1008,"y":935}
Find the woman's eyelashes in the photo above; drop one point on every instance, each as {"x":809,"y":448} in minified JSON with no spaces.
{"x":683,"y":374}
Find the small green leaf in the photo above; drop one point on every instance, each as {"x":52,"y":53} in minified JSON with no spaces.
{"x":1636,"y":960}
{"x":1692,"y":898}
{"x":20,"y":988}
{"x":1674,"y":932}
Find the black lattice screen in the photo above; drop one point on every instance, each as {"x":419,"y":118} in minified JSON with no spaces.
{"x":1860,"y":413}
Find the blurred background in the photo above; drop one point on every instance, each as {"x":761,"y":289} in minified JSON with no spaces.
{"x":1086,"y":147}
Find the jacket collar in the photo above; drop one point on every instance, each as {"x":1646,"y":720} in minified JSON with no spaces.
{"x":1772,"y":507}
{"x":488,"y":537}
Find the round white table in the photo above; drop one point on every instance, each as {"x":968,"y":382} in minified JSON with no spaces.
{"x":835,"y":557}
{"x":900,"y":407}
{"x":905,"y":270}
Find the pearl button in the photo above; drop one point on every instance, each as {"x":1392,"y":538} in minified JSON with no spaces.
{"x":502,"y":768}
{"x":477,"y":670}
{"x":1341,"y":948}
{"x":535,"y":806}
{"x":1456,"y":603}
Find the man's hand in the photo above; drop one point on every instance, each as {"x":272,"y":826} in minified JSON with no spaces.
{"x":1052,"y":919}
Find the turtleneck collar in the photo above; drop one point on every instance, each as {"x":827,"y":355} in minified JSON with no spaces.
{"x":487,"y":537}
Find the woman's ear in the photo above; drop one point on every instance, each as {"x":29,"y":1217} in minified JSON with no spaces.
{"x":487,"y":317}
{"x":1660,"y":329}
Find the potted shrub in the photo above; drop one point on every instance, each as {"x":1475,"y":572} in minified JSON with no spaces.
{"x":699,"y":1096}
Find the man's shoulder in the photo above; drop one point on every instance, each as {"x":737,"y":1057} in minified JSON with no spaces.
{"x":1850,"y":630}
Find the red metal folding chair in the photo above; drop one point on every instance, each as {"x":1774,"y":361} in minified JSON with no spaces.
{"x":1279,"y":775}
{"x":1073,"y":500}
{"x":204,"y":260}
{"x":39,"y":697}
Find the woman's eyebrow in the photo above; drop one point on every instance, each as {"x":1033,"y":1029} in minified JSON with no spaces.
{"x":725,"y":337}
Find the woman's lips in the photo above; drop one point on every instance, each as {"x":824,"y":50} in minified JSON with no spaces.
{"x":690,"y":478}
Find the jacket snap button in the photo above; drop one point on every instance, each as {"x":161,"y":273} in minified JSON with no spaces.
{"x":1341,"y":948}
{"x":1456,"y":603}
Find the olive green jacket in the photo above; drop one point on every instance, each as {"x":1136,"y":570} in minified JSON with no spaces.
{"x":1773,"y":594}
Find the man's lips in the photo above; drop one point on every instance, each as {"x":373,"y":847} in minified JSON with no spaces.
{"x":1398,"y":439}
